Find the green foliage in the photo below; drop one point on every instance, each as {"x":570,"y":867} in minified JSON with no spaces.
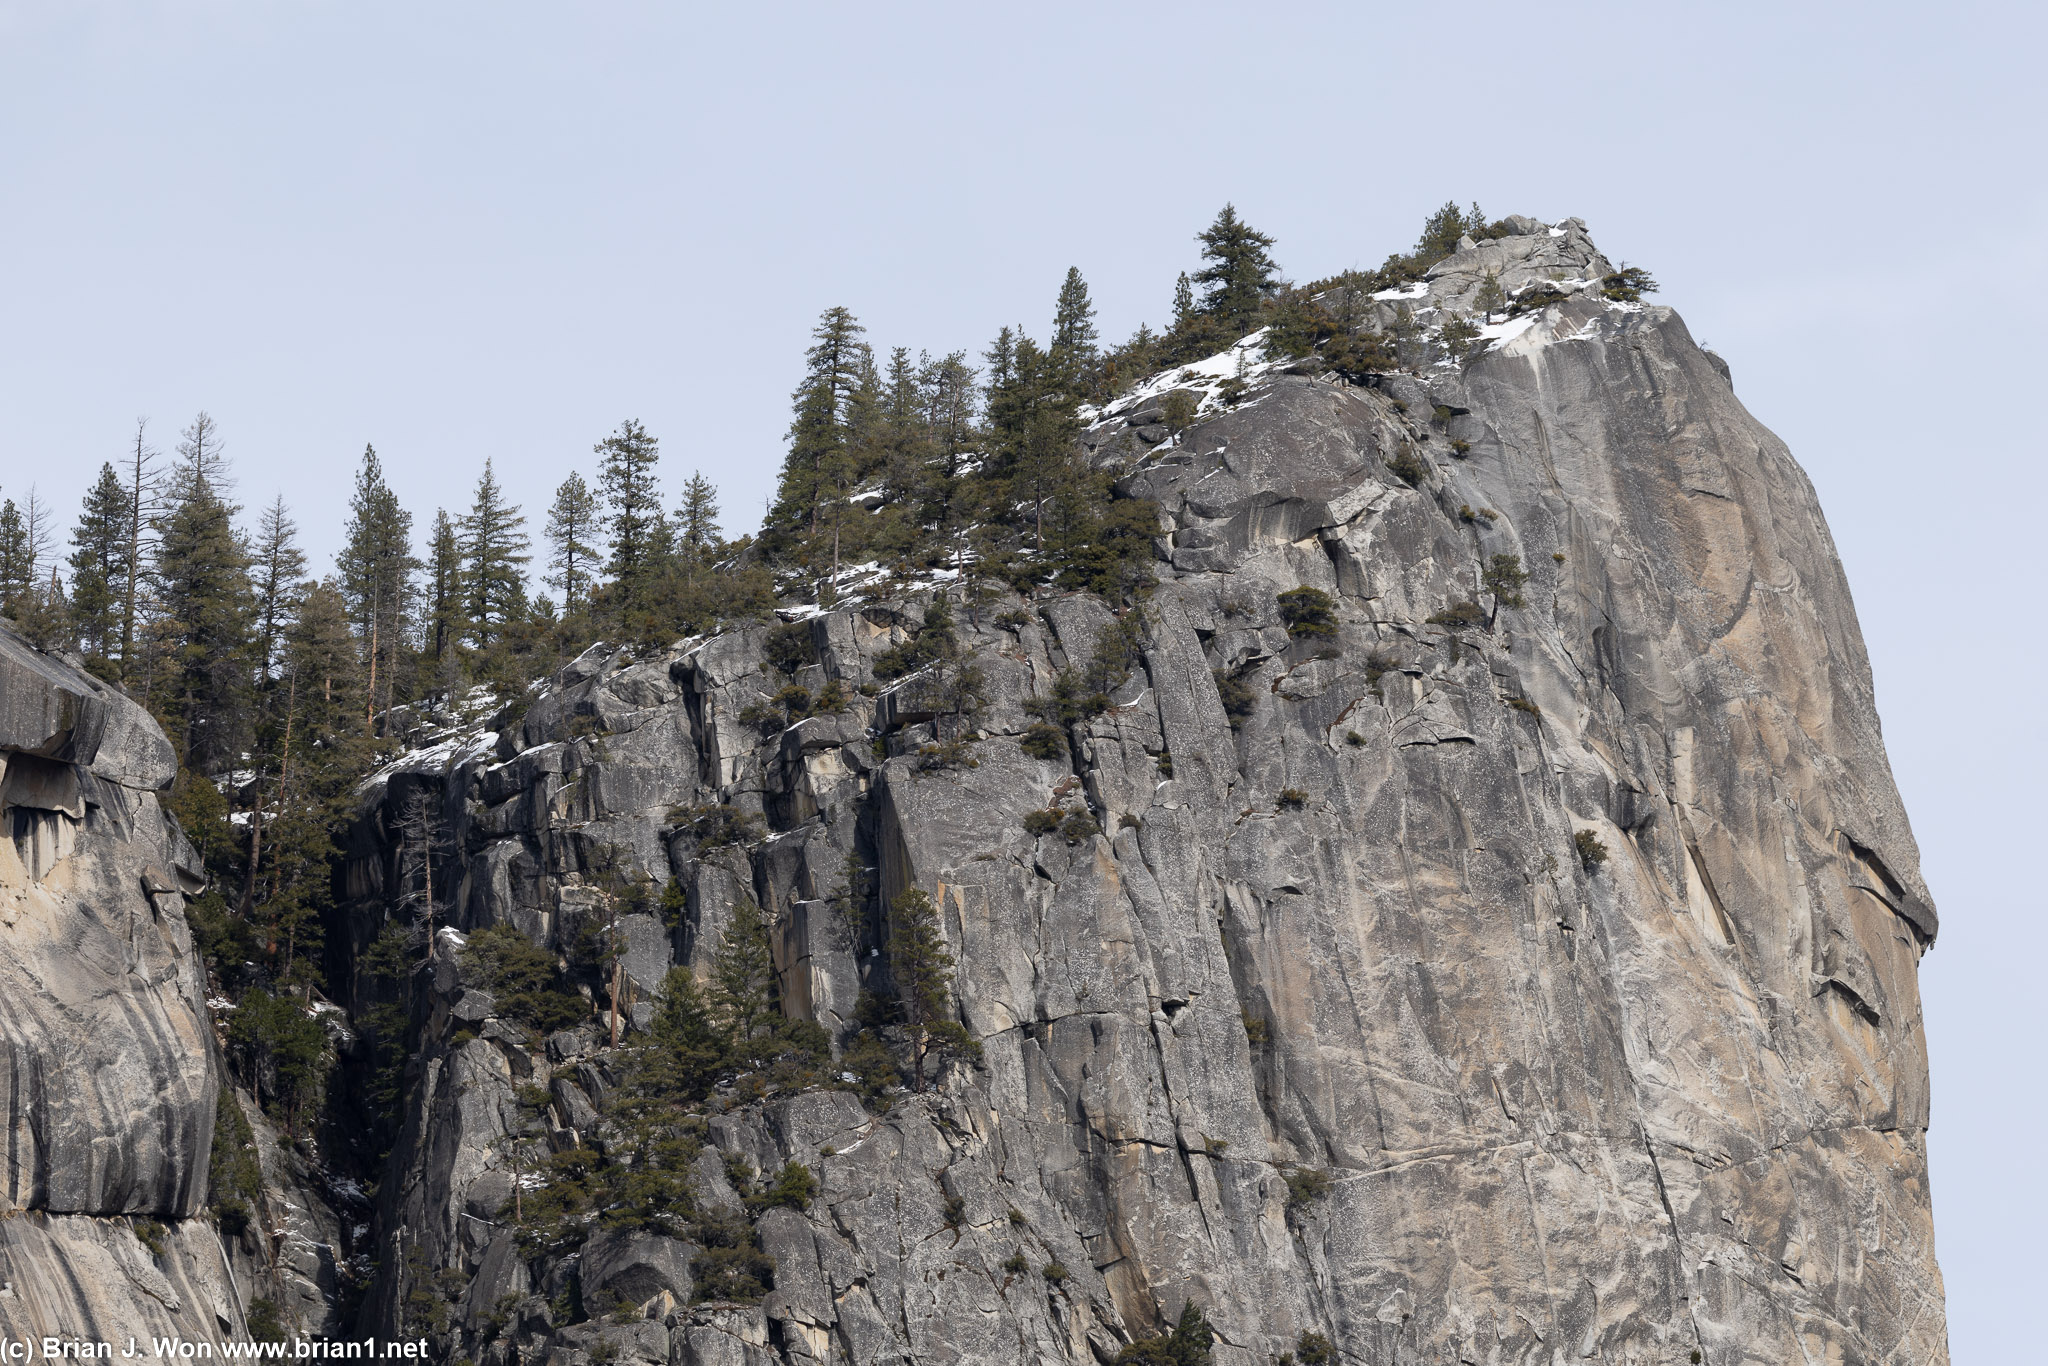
{"x":794,"y":1187}
{"x":1458,"y":616}
{"x":282,"y":1049}
{"x":1457,"y":336}
{"x":1313,"y":1349}
{"x":1523,"y":704}
{"x":935,"y":639}
{"x":1305,"y":1185}
{"x":1405,"y":467}
{"x":732,"y":1267}
{"x":1504,"y":579}
{"x":1240,"y":274}
{"x":523,"y":979}
{"x":1078,"y":826}
{"x":1164,"y":763}
{"x":1490,"y":298}
{"x":151,"y":1235}
{"x":1309,"y":613}
{"x":1177,"y":409}
{"x":234,"y":1175}
{"x":790,"y":647}
{"x":1592,"y":850}
{"x":1535,"y":298}
{"x":493,"y":544}
{"x":1627,"y":285}
{"x":715,"y":825}
{"x":1187,"y":1345}
{"x":1042,"y":741}
{"x":1042,"y":822}
{"x":1237,"y":697}
{"x":1054,"y":1272}
{"x":266,"y":1323}
{"x":1015,"y":1264}
{"x":921,"y":966}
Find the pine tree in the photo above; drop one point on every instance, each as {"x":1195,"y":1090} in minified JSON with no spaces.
{"x":99,"y":570}
{"x":626,"y":483}
{"x":572,"y":532}
{"x":494,"y":544}
{"x":742,"y":995}
{"x":377,"y":570}
{"x":1033,"y":427}
{"x":922,"y":968}
{"x":17,"y":561}
{"x":1241,"y":273}
{"x":1183,"y":303}
{"x":1073,"y":352}
{"x":835,"y":368}
{"x":1440,"y":233}
{"x":279,"y":572}
{"x":697,"y":536}
{"x":206,"y":609}
{"x":445,"y":624}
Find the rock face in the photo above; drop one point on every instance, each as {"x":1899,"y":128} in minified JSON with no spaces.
{"x":107,"y":1058}
{"x":1518,"y":973}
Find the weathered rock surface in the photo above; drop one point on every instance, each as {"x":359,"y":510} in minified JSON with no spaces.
{"x":107,"y":1066}
{"x":1565,"y":1109}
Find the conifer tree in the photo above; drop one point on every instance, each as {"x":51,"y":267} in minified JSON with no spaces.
{"x":697,"y":536}
{"x":377,"y":572}
{"x":17,"y":561}
{"x":494,"y":545}
{"x":279,"y":573}
{"x":1073,"y":353}
{"x":922,"y":968}
{"x":1183,"y":303}
{"x":1440,"y":233}
{"x":1240,"y":274}
{"x":742,"y":995}
{"x":627,"y":485}
{"x":206,"y":608}
{"x":836,"y":367}
{"x":445,"y":624}
{"x":572,"y":532}
{"x":99,"y":571}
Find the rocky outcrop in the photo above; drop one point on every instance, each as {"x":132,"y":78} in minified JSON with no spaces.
{"x":107,"y":1060}
{"x":1522,"y":971}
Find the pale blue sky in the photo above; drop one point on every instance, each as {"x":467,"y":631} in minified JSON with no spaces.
{"x":460,"y":230}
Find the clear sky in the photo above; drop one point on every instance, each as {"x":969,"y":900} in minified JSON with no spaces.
{"x":462,"y":230}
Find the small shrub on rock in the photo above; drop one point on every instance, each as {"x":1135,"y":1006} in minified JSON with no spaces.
{"x":1042,"y":822}
{"x":1292,"y":799}
{"x":1627,"y":285}
{"x":1305,"y":1185}
{"x":1308,"y":613}
{"x":1237,"y":697}
{"x":1079,"y":826}
{"x":1043,"y":741}
{"x":1592,"y":850}
{"x":1458,"y":616}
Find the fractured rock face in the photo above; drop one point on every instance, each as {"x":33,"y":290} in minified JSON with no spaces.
{"x":1524,"y":972}
{"x":106,"y":1052}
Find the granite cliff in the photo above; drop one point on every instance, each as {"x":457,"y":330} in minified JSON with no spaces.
{"x":1520,"y":969}
{"x":1504,"y":952}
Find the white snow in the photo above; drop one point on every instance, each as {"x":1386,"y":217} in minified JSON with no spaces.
{"x":1498,"y":333}
{"x":1240,"y":360}
{"x":1417,"y":290}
